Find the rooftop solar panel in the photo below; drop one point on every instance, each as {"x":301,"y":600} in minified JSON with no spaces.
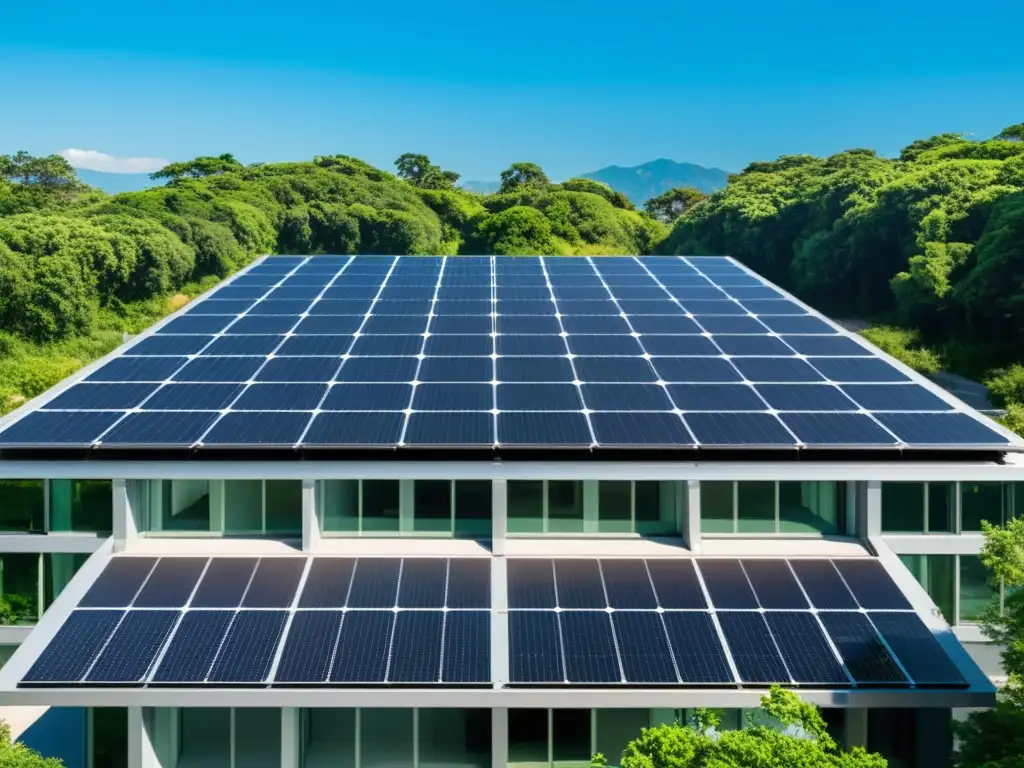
{"x":642,"y":335}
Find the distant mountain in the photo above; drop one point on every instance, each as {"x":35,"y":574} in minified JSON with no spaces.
{"x":481,"y":187}
{"x":642,"y":182}
{"x":113,"y":183}
{"x":639,"y":183}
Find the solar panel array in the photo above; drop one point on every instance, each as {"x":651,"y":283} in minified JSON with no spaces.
{"x":333,"y":621}
{"x":717,"y":622}
{"x":292,"y":621}
{"x":499,"y":352}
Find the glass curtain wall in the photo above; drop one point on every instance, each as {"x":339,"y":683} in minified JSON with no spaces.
{"x":385,"y":738}
{"x":647,"y":508}
{"x":222,"y":507}
{"x":948,"y":507}
{"x":771,"y":507}
{"x":460,"y":508}
{"x":957,"y":584}
{"x":30,"y":582}
{"x":38,"y":506}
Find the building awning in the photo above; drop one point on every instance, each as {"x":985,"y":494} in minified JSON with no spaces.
{"x":325,"y":630}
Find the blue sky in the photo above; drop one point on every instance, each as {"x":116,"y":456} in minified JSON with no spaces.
{"x":569,"y":84}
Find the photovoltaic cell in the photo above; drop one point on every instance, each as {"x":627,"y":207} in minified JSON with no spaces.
{"x":752,"y":647}
{"x":590,"y":655}
{"x":774,"y":584}
{"x":861,"y":649}
{"x":696,"y":647}
{"x":531,"y":583}
{"x":467,"y":647}
{"x":676,"y":583}
{"x":274,"y":583}
{"x":129,"y":656}
{"x":73,"y":648}
{"x":917,"y":649}
{"x":416,"y":649}
{"x":643,"y":647}
{"x":327,"y":583}
{"x":375,"y":583}
{"x":171,"y":582}
{"x":535,"y":650}
{"x":306,"y":657}
{"x":628,"y":584}
{"x":823,"y":585}
{"x":423,"y":583}
{"x":871,"y":585}
{"x":362,"y":651}
{"x":469,"y":583}
{"x":804,"y":648}
{"x":120,"y":581}
{"x":249,"y":647}
{"x":224,"y":583}
{"x":578,"y":584}
{"x":727,"y":584}
{"x":193,"y":648}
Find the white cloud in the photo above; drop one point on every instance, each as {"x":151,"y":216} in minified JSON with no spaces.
{"x":92,"y":160}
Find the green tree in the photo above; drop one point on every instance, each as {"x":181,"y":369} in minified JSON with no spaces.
{"x":1012,"y":133}
{"x":420,"y":172}
{"x":802,"y":740}
{"x":51,"y":174}
{"x":17,"y":755}
{"x":617,"y":199}
{"x":670,"y":205}
{"x":516,"y":231}
{"x":521,"y":175}
{"x":994,"y":738}
{"x":198,"y":168}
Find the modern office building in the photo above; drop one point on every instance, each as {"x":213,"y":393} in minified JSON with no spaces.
{"x":471,"y":511}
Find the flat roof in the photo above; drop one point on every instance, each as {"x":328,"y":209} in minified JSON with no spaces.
{"x":519,"y":358}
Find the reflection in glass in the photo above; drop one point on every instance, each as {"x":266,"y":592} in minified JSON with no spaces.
{"x":565,"y":506}
{"x":525,"y":506}
{"x":473,"y":508}
{"x":936,"y":573}
{"x":433,"y":506}
{"x":980,"y":501}
{"x":615,"y":506}
{"x":22,"y":506}
{"x":339,"y":505}
{"x":976,"y":594}
{"x":283,"y":506}
{"x":330,"y":738}
{"x":903,"y":507}
{"x":941,"y":507}
{"x":716,"y":507}
{"x":381,"y":505}
{"x":756,"y":507}
{"x":81,"y":505}
{"x":454,"y":737}
{"x":385,"y":738}
{"x":811,"y":507}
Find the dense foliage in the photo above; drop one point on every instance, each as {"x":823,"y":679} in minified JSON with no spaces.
{"x":800,"y":740}
{"x":17,"y":755}
{"x":994,"y":738}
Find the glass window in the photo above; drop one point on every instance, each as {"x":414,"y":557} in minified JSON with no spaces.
{"x":655,"y":506}
{"x":330,"y":738}
{"x":339,"y":505}
{"x":528,"y":737}
{"x":980,"y":501}
{"x":283,"y":500}
{"x":22,"y":506}
{"x":243,"y":506}
{"x":381,"y":503}
{"x":257,"y":737}
{"x":454,"y":737}
{"x":58,"y":569}
{"x":616,"y":728}
{"x":81,"y":505}
{"x":756,"y":507}
{"x":716,"y":507}
{"x":109,"y":737}
{"x":936,"y":573}
{"x":473,"y":508}
{"x":615,"y":506}
{"x":433,"y":506}
{"x":903,"y":507}
{"x":570,"y":738}
{"x":811,"y":507}
{"x":6,"y":651}
{"x":525,"y":506}
{"x":941,"y":507}
{"x":205,"y":736}
{"x":385,"y":738}
{"x":976,"y":594}
{"x":19,"y":588}
{"x":184,"y":505}
{"x":565,"y":506}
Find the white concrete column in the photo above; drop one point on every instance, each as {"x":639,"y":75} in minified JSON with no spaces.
{"x":499,"y":621}
{"x":406,"y":506}
{"x":310,"y":518}
{"x":291,"y":741}
{"x":591,"y":495}
{"x":141,"y":738}
{"x":871,"y":513}
{"x":691,"y":517}
{"x":855,"y":729}
{"x":499,"y":515}
{"x":125,"y":528}
{"x":168,"y":731}
{"x":499,"y":737}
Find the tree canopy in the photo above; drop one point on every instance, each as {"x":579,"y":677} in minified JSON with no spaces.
{"x":420,"y":172}
{"x":17,"y":755}
{"x":522,"y":175}
{"x":674,"y":203}
{"x":196,"y":169}
{"x":994,"y":738}
{"x":798,"y":739}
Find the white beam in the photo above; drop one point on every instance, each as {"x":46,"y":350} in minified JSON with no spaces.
{"x":291,"y":731}
{"x":499,"y":737}
{"x":691,"y":517}
{"x":895,"y":470}
{"x":142,"y":751}
{"x":125,"y":529}
{"x":310,"y":519}
{"x":499,"y":515}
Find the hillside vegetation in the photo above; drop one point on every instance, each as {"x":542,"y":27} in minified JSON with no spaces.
{"x":931,"y":242}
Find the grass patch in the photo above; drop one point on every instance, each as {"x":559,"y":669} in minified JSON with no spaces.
{"x":905,"y":345}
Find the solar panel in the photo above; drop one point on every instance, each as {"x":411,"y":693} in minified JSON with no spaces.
{"x":644,"y":649}
{"x":129,"y":656}
{"x":623,"y":326}
{"x":362,"y":650}
{"x":917,"y":649}
{"x":416,"y":648}
{"x":861,"y":649}
{"x":590,"y":655}
{"x":309,"y":647}
{"x":871,"y":585}
{"x":535,"y":647}
{"x":71,"y":652}
{"x":119,"y":582}
{"x":698,"y":652}
{"x":224,"y":583}
{"x":171,"y":582}
{"x":727,"y":584}
{"x":753,"y":648}
{"x":193,"y":649}
{"x":804,"y":649}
